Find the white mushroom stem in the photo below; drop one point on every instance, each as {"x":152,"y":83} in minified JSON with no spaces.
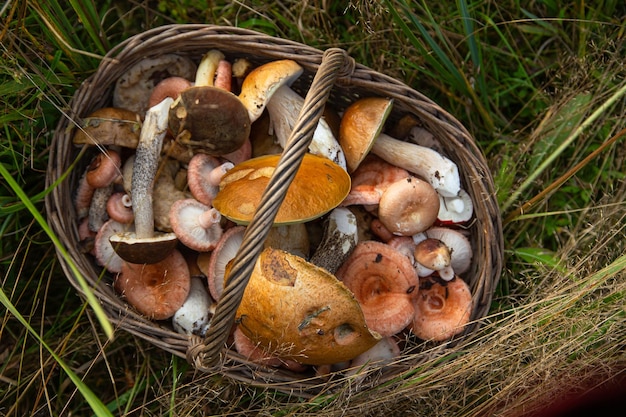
{"x":208,"y":67}
{"x":340,"y":238}
{"x":284,"y":108}
{"x":193,"y":316}
{"x":145,"y":166}
{"x":439,"y":171}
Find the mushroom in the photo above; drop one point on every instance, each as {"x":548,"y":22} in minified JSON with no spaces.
{"x":459,"y":246}
{"x":98,"y":207}
{"x":252,"y":351}
{"x":408,"y":206}
{"x":109,"y":126}
{"x":384,"y":282}
{"x":166,"y":193}
{"x":169,"y":87}
{"x":381,"y":353}
{"x":442,"y":308}
{"x":225,"y":250}
{"x":132,"y":90}
{"x":318,"y":187}
{"x":292,"y":238}
{"x":204,"y":175}
{"x":340,"y":238}
{"x":455,"y":210}
{"x":119,"y":207}
{"x":362,"y":124}
{"x":370,"y":180}
{"x":196,"y":225}
{"x":101,"y":172}
{"x":194,"y":315}
{"x":208,"y":118}
{"x":433,"y":255}
{"x":284,"y":108}
{"x":146,"y":246}
{"x":104,"y":252}
{"x":316,"y":321}
{"x":156,"y":290}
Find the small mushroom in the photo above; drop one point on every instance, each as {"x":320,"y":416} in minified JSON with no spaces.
{"x":156,"y":290}
{"x":408,"y":206}
{"x":370,"y":180}
{"x":364,"y":121}
{"x":459,"y":246}
{"x":169,"y":87}
{"x":318,"y":187}
{"x":104,"y":252}
{"x":146,"y":246}
{"x":316,"y":321}
{"x":196,"y":225}
{"x":340,"y":238}
{"x":225,"y":250}
{"x":102,"y":171}
{"x":132,"y":90}
{"x":442,"y":308}
{"x":384,"y":282}
{"x":204,"y":175}
{"x":120,"y":208}
{"x":433,"y":255}
{"x":194,"y":315}
{"x":109,"y":126}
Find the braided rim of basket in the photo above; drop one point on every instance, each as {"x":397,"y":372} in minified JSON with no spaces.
{"x":344,"y":81}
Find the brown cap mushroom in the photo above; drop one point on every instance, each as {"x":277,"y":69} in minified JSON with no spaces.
{"x":442,"y":308}
{"x":408,"y":206}
{"x":225,"y":250}
{"x":109,"y":126}
{"x":317,"y":320}
{"x":459,"y":246}
{"x":434,"y":255}
{"x":318,"y":187}
{"x":156,"y":290}
{"x":384,"y":282}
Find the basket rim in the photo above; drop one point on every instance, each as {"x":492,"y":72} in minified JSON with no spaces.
{"x":361,"y":78}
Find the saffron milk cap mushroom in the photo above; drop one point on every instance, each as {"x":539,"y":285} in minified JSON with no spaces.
{"x":384,"y":282}
{"x":156,"y":290}
{"x":318,"y":187}
{"x":317,"y":321}
{"x":442,"y":308}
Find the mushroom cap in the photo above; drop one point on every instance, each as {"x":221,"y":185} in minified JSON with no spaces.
{"x":360,"y":125}
{"x":156,"y":290}
{"x":196,"y":225}
{"x":432,"y":253}
{"x":459,"y":245}
{"x":384,"y":282}
{"x":455,"y":210}
{"x":132,"y":90}
{"x":224,"y":252}
{"x":104,"y":250}
{"x":261,"y":83}
{"x":143,"y":250}
{"x":318,"y":187}
{"x":203,"y":177}
{"x":442,"y":308}
{"x":109,"y":126}
{"x":408,"y":206}
{"x":104,"y":169}
{"x":317,"y":321}
{"x":370,"y":180}
{"x":210,"y":119}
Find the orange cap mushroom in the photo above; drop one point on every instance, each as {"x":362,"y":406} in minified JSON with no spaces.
{"x":442,"y":308}
{"x":384,"y":282}
{"x":318,"y":187}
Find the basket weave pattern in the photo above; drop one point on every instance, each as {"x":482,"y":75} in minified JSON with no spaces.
{"x":331,"y":76}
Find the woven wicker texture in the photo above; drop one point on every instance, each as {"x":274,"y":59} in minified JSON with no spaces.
{"x":330,"y":77}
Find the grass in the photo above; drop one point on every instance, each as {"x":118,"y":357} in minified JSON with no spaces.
{"x":540,"y":86}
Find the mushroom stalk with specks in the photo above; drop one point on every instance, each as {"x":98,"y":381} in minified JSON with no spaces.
{"x":145,"y":166}
{"x":439,"y":171}
{"x":340,"y":238}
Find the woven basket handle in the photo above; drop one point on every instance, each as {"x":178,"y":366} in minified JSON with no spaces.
{"x":206,"y":353}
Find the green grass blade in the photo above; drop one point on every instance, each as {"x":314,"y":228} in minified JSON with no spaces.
{"x":88,"y":15}
{"x":94,"y":402}
{"x":91,"y":299}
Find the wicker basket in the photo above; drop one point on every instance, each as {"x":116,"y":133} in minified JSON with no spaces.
{"x":331,"y":76}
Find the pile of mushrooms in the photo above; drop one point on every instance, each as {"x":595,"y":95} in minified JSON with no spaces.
{"x":368,"y":248}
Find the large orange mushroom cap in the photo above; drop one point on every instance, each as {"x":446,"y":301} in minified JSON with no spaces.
{"x":442,"y":308}
{"x":296,"y":310}
{"x":318,"y":187}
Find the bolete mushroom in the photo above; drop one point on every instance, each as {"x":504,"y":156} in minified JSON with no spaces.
{"x":109,"y":126}
{"x":384,"y":282}
{"x":193,"y":316}
{"x":317,"y":321}
{"x":363,"y":123}
{"x":318,"y":187}
{"x":442,"y":308}
{"x":339,"y":240}
{"x":145,"y":245}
